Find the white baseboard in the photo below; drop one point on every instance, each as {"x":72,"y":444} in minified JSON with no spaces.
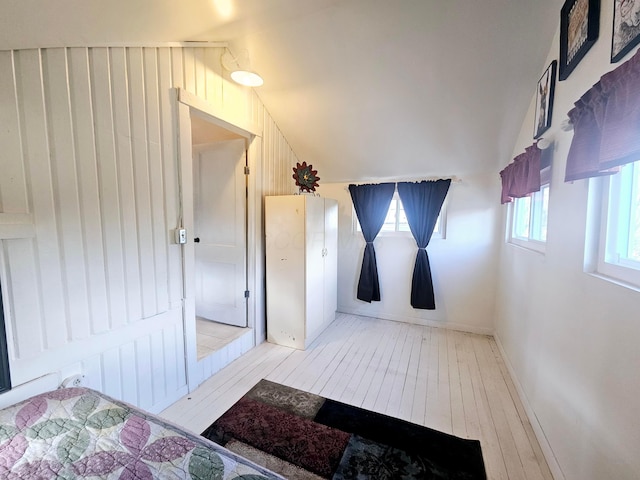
{"x":165,"y":403}
{"x":419,"y":321}
{"x":547,"y":451}
{"x":34,"y":387}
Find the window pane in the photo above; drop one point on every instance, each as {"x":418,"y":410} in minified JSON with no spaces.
{"x":403,"y":223}
{"x":522,"y":217}
{"x":633,"y":249}
{"x":540,"y":207}
{"x":390,"y":220}
{"x":545,"y":212}
{"x":618,"y":253}
{"x":436,"y":229}
{"x":622,"y":225}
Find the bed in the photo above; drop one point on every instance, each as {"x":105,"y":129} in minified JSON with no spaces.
{"x":75,"y":433}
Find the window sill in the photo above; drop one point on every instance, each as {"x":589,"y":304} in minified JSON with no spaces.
{"x":393,"y":234}
{"x":615,"y":281}
{"x":534,"y":247}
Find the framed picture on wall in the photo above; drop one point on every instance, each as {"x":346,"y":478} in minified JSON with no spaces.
{"x":579,"y":28}
{"x":626,"y":28}
{"x":544,"y":100}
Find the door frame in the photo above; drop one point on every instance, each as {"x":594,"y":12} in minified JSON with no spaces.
{"x":187,"y":104}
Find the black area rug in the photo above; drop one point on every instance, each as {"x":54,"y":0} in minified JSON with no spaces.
{"x":304,"y":436}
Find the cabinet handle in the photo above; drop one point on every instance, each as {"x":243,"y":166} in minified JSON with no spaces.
{"x":196,"y":240}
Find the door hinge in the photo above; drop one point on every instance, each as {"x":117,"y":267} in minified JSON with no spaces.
{"x":246,"y":294}
{"x":246,"y":170}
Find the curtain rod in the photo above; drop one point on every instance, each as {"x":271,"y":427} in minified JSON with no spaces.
{"x":454,"y":180}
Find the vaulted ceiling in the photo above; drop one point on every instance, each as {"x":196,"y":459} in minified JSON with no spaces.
{"x":362,"y":89}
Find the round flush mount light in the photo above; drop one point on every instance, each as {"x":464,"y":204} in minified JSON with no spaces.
{"x":543,"y":143}
{"x":247,"y":78}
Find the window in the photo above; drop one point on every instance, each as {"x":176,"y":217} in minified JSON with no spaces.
{"x":396,"y":220}
{"x":528,"y":220}
{"x":618,"y":252}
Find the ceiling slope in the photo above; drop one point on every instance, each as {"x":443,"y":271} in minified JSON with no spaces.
{"x":363,"y":89}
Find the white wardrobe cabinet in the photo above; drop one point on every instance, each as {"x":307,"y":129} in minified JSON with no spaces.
{"x":302,"y":267}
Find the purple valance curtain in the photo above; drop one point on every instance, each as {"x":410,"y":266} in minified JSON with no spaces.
{"x":606,"y":124}
{"x":371,"y":203}
{"x":522,"y":176}
{"x":422,"y":203}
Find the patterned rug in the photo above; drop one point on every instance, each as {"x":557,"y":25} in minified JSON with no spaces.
{"x":304,"y":436}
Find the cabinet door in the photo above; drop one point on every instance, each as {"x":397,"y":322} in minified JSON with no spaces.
{"x":285,"y":249}
{"x":314,"y":237}
{"x":330,"y":260}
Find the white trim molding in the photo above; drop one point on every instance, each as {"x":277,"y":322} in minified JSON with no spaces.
{"x":547,"y":451}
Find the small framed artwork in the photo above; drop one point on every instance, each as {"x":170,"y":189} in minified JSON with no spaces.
{"x":579,"y":28}
{"x":626,"y":28}
{"x":544,"y":100}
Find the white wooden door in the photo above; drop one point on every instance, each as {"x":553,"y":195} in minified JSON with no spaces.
{"x":219,"y":224}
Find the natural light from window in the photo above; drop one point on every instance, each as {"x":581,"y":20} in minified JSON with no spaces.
{"x":528,"y":225}
{"x":396,"y":220}
{"x":619,"y":245}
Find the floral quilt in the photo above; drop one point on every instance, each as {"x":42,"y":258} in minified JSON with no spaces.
{"x":79,"y":433}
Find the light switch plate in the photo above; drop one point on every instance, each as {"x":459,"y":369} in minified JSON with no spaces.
{"x":180,"y":235}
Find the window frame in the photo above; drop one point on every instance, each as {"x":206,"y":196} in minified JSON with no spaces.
{"x":610,"y":197}
{"x":528,"y":242}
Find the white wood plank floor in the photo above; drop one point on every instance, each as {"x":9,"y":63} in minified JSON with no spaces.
{"x":212,"y":336}
{"x":452,"y":381}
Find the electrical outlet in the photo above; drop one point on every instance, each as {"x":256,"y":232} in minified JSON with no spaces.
{"x":73,"y":381}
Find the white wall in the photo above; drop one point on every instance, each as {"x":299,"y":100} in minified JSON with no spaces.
{"x":571,"y":339}
{"x":463,"y":265}
{"x":89,"y":159}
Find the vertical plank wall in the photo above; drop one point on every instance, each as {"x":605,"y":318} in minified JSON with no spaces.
{"x":89,"y":149}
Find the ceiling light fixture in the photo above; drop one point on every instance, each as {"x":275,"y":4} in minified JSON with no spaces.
{"x":543,"y":143}
{"x":247,"y":78}
{"x":242,"y":76}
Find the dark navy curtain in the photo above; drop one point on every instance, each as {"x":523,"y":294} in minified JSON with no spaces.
{"x":422,"y":203}
{"x":5,"y":378}
{"x":371,"y":203}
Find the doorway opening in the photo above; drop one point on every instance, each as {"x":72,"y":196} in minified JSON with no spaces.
{"x":225,"y":197}
{"x":219,"y":160}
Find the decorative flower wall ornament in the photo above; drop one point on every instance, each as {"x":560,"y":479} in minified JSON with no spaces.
{"x":306,"y":178}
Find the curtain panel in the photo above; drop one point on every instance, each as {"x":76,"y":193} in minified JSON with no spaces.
{"x":422,"y":203}
{"x":606,"y":124}
{"x":5,"y":375}
{"x":371,"y":203}
{"x":522,"y":176}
